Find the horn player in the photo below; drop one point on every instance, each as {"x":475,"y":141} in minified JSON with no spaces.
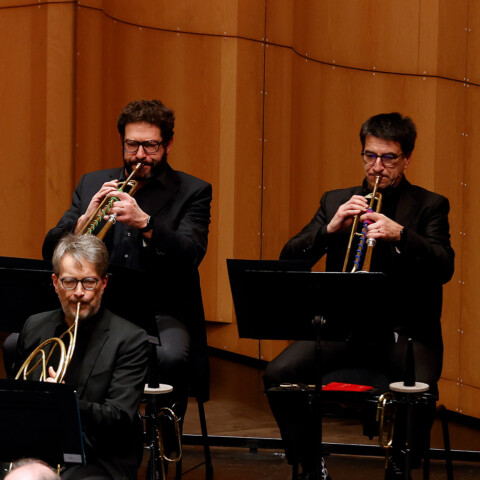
{"x":109,"y":364}
{"x":413,"y":250}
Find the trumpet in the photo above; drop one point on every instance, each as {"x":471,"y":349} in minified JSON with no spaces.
{"x":41,"y":351}
{"x":373,"y":197}
{"x":107,"y":204}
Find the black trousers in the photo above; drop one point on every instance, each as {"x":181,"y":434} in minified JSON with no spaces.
{"x":173,"y":361}
{"x":296,"y":364}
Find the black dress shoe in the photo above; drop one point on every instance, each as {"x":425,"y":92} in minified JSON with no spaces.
{"x":309,"y":475}
{"x":395,"y":471}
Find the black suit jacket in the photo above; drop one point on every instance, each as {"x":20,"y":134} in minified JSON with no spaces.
{"x":416,"y":268}
{"x":180,"y":205}
{"x":110,"y":384}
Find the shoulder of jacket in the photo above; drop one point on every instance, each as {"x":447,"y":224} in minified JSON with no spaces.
{"x":192,"y":180}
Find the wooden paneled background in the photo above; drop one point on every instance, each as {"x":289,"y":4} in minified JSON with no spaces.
{"x":269,"y":96}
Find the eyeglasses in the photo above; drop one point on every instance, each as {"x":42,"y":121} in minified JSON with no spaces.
{"x":149,"y":146}
{"x":387,"y":159}
{"x":70,"y":283}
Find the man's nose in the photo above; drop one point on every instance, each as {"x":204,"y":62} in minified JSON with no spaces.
{"x":378,"y":164}
{"x":79,"y":290}
{"x":140,"y":152}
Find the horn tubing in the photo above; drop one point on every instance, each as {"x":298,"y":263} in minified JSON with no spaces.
{"x":65,"y":354}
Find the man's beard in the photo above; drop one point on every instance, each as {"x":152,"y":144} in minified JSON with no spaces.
{"x":155,"y":169}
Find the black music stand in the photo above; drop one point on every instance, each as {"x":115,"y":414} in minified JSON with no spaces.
{"x":296,"y":305}
{"x":25,"y":288}
{"x":40,"y":420}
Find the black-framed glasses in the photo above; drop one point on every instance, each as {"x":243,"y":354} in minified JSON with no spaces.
{"x":70,"y":283}
{"x":149,"y":146}
{"x":387,"y":159}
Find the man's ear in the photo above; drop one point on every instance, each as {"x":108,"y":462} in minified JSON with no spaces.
{"x":169,"y":145}
{"x":55,"y":281}
{"x":407,"y":160}
{"x":104,"y":282}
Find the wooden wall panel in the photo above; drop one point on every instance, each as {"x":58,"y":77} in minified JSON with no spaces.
{"x":449,"y":153}
{"x":241,"y":230}
{"x":279,"y":22}
{"x":36,"y":68}
{"x":469,"y":262}
{"x":472,"y":28}
{"x":60,"y":108}
{"x":374,"y":34}
{"x":449,"y":55}
{"x":243,"y":18}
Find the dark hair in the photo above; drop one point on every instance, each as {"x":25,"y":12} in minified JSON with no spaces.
{"x":149,"y":111}
{"x":81,"y":247}
{"x":391,"y":126}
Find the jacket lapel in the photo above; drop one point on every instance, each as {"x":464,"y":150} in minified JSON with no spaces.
{"x":158,"y":197}
{"x":407,"y":207}
{"x":98,"y":338}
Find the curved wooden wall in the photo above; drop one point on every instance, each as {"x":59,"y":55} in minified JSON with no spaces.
{"x":269,"y":96}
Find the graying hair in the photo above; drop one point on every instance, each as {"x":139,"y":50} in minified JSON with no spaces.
{"x":43,"y":474}
{"x":81,"y":247}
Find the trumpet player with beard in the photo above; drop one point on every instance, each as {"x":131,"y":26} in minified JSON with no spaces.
{"x":162,"y":232}
{"x":412,"y":249}
{"x":109,"y":363}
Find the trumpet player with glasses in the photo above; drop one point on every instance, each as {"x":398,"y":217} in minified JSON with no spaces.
{"x":161,"y":232}
{"x":412,"y":248}
{"x":107,"y":364}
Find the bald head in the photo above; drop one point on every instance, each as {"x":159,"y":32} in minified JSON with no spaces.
{"x":32,"y":471}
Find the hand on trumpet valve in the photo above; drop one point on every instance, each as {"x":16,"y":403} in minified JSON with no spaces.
{"x":381,"y":227}
{"x":127,"y":211}
{"x":107,"y":189}
{"x":343,"y":218}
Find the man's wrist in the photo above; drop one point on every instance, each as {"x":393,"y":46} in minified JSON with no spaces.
{"x":148,"y":226}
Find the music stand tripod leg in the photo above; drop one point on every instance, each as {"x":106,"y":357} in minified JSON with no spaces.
{"x":318,"y":321}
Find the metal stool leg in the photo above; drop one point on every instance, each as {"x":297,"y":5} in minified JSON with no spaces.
{"x":442,"y":411}
{"x":426,"y":462}
{"x":206,"y":442}
{"x":295,"y":471}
